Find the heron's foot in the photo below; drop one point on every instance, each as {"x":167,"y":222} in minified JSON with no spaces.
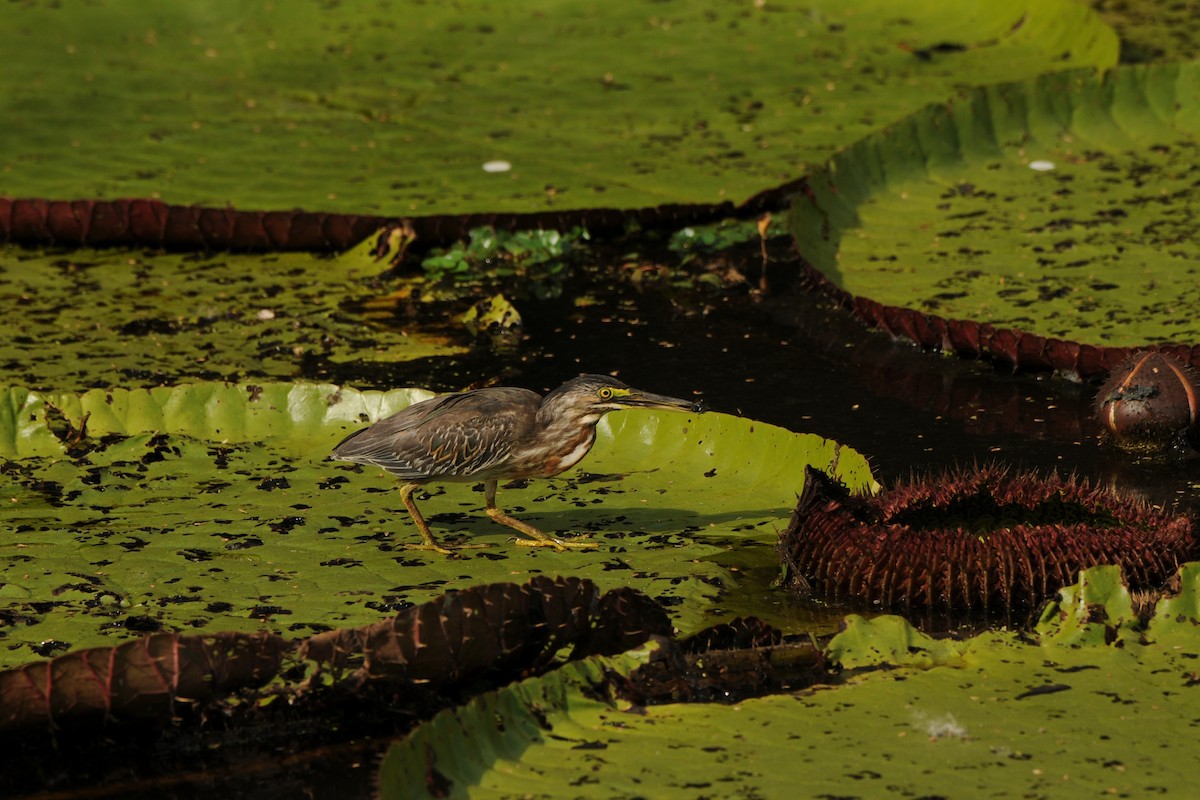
{"x":435,"y":547}
{"x":536,"y":537}
{"x":558,"y":544}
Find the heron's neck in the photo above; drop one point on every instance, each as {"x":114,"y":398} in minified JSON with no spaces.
{"x":563,"y":439}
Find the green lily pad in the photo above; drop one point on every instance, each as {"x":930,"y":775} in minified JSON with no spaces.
{"x":1025,"y":221}
{"x":1089,"y":611}
{"x":117,"y":317}
{"x":460,"y":747}
{"x":209,"y":507}
{"x":996,"y":715}
{"x":417,"y":108}
{"x":1003,"y":728}
{"x":1152,"y":30}
{"x":1179,"y":613}
{"x":888,"y":639}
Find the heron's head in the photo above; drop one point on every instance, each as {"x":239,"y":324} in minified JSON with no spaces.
{"x":596,"y":395}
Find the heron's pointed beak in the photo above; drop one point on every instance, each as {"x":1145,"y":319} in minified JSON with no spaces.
{"x":639,"y":399}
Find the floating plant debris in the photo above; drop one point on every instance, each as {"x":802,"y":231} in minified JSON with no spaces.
{"x":982,"y":540}
{"x":1150,"y":401}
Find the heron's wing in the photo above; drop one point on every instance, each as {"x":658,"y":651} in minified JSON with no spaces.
{"x":457,"y":435}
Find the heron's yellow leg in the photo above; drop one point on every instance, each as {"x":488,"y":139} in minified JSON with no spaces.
{"x":429,"y":542}
{"x":537,"y":538}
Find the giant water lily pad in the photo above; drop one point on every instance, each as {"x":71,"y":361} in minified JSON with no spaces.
{"x":208,"y":507}
{"x":1152,"y":30}
{"x":1049,"y":224}
{"x":997,"y":715}
{"x":395,"y":109}
{"x":135,"y":318}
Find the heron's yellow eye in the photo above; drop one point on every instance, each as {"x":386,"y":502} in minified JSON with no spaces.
{"x":605,"y":393}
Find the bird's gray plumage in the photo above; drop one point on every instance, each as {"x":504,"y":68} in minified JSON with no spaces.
{"x":495,"y":433}
{"x":454,"y":437}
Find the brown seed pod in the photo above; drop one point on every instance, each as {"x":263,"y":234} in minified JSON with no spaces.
{"x":982,"y":540}
{"x":1150,"y":400}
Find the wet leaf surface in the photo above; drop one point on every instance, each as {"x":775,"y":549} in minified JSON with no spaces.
{"x":1152,"y":30}
{"x":120,"y":317}
{"x":377,"y":111}
{"x":123,"y":720}
{"x":481,"y":633}
{"x":208,"y":507}
{"x":290,"y":140}
{"x":1032,"y":222}
{"x":1000,"y":713}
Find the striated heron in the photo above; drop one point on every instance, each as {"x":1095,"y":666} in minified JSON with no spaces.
{"x":494,"y":434}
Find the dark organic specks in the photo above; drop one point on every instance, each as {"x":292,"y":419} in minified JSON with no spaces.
{"x":244,"y":543}
{"x":220,"y":456}
{"x":287,"y":524}
{"x":49,"y":647}
{"x":174,"y":599}
{"x":334,"y":482}
{"x":265,"y":612}
{"x":140,"y":623}
{"x":1050,"y":688}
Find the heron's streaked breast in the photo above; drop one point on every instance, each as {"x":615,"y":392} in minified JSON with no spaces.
{"x":565,"y":451}
{"x":572,"y":458}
